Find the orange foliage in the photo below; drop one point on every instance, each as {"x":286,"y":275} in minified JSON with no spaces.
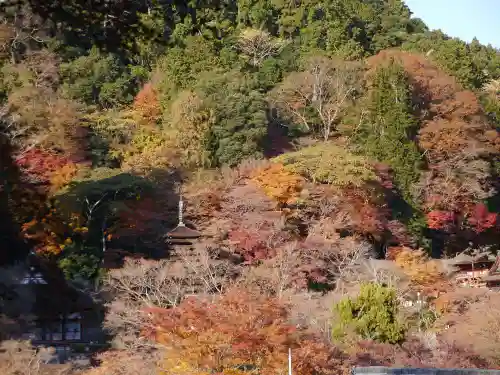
{"x":238,"y":330}
{"x":46,"y":169}
{"x":393,"y":251}
{"x":455,"y":134}
{"x":146,"y":103}
{"x":62,"y":176}
{"x":423,"y":272}
{"x":52,"y":232}
{"x":442,"y":220}
{"x":279,"y":184}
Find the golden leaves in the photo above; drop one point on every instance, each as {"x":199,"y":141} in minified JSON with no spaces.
{"x":279,"y":184}
{"x":416,"y":264}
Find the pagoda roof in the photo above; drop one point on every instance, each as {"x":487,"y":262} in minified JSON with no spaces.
{"x":183,"y":232}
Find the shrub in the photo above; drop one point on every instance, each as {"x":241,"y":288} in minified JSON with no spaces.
{"x":417,"y":265}
{"x":373,"y":315}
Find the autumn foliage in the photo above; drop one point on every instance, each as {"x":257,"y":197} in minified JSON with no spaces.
{"x":423,"y":272}
{"x":146,"y":104}
{"x":442,"y":220}
{"x":237,"y":333}
{"x":52,"y":230}
{"x":279,"y":184}
{"x":481,"y":219}
{"x":455,"y":134}
{"x":251,"y":245}
{"x":46,"y":169}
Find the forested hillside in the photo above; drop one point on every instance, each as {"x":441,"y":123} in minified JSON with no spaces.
{"x":305,"y":137}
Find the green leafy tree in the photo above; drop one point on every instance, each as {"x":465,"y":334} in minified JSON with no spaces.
{"x":190,"y":129}
{"x":373,"y":315}
{"x":180,"y":69}
{"x":471,"y":63}
{"x":240,"y":120}
{"x":81,"y":264}
{"x":98,"y":78}
{"x":387,"y":133}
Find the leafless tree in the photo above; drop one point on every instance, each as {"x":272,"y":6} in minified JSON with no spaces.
{"x":342,"y":259}
{"x":326,"y":87}
{"x":20,"y":32}
{"x":274,"y":277}
{"x":127,"y":362}
{"x":21,"y":358}
{"x":143,"y":284}
{"x":259,"y":45}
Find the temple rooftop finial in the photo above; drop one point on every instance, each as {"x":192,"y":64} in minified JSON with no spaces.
{"x":181,"y":231}
{"x":181,"y":208}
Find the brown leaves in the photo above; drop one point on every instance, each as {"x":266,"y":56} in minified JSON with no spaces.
{"x":147,"y":105}
{"x":416,"y":354}
{"x":455,"y":133}
{"x":116,"y":362}
{"x":18,"y":357}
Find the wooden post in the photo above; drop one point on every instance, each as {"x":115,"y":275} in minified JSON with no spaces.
{"x":289,"y":361}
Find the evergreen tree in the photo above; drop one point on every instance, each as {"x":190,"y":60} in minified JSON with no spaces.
{"x":373,"y":315}
{"x":387,"y":134}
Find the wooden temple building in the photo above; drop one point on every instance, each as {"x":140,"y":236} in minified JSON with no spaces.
{"x":51,"y":312}
{"x":480,"y":270}
{"x":492,"y":279}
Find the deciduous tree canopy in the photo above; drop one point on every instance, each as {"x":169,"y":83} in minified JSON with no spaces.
{"x":306,"y":138}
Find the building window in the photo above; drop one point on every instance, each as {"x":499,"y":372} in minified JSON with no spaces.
{"x":33,"y":277}
{"x":66,"y":328}
{"x":54,"y":331}
{"x":33,"y":333}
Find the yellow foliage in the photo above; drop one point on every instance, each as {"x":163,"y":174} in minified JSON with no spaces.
{"x":62,"y":177}
{"x":328,"y":163}
{"x":148,"y":150}
{"x":417,"y":265}
{"x":279,"y":184}
{"x":177,"y":366}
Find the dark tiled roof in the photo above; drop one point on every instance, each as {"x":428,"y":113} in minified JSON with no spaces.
{"x":463,"y":259}
{"x":183,"y":232}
